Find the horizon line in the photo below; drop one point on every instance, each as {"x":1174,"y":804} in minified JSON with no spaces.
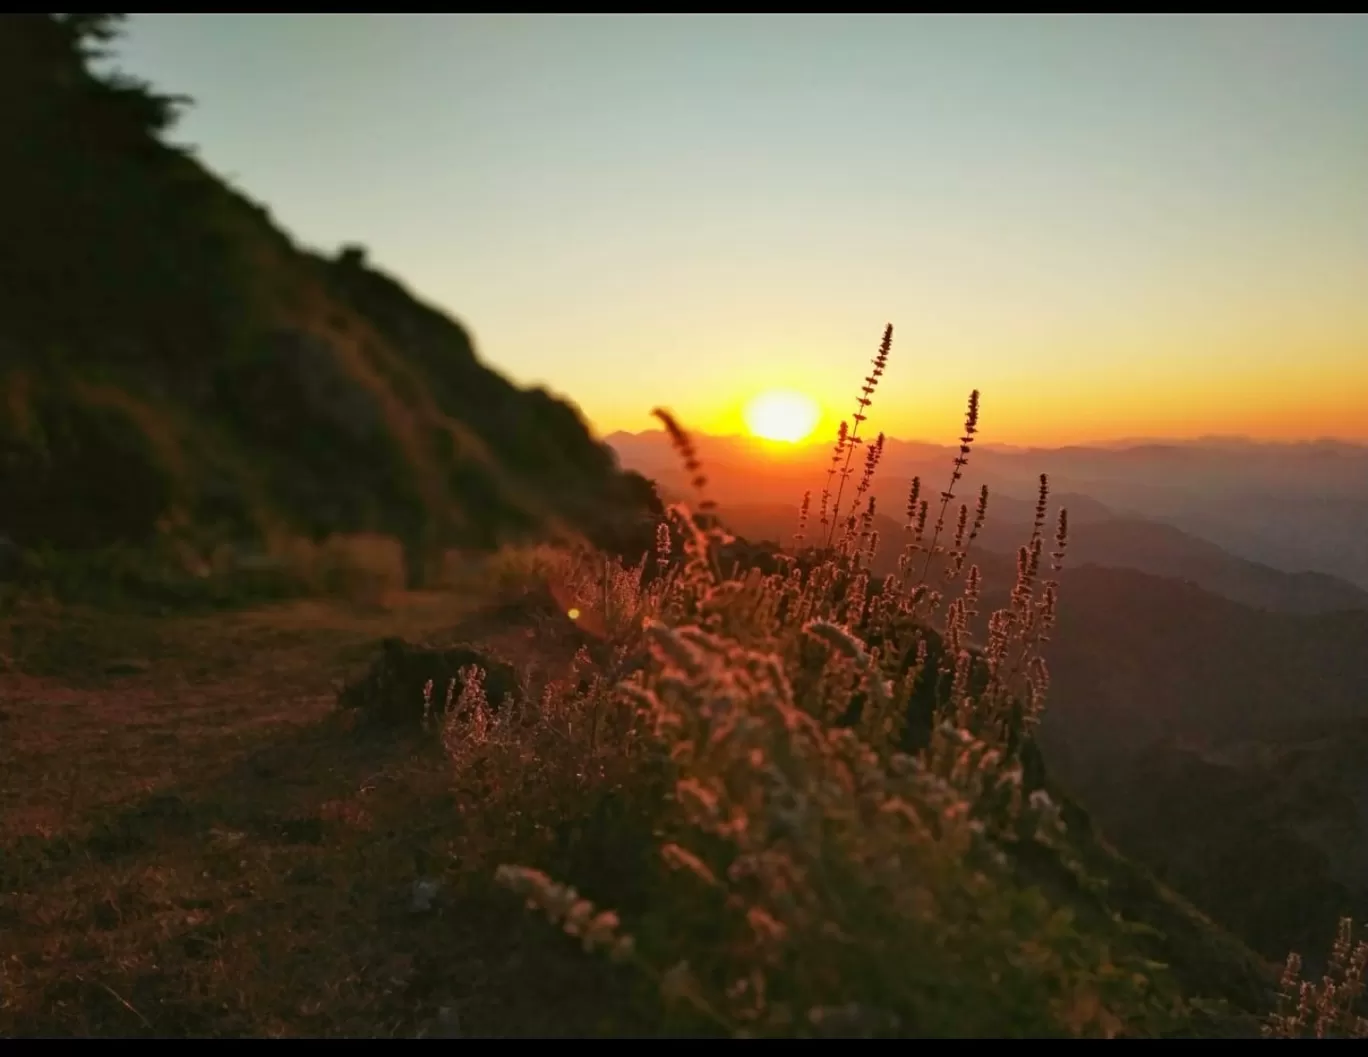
{"x":1131,"y":442}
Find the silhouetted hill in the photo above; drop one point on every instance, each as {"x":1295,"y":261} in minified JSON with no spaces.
{"x":1179,"y":718}
{"x":1271,"y":838}
{"x":174,"y":364}
{"x":1163,"y":550}
{"x":1096,"y":538}
{"x":1137,"y":658}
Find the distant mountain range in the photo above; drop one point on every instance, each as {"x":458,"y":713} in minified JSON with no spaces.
{"x":1294,"y":508}
{"x":1111,"y":541}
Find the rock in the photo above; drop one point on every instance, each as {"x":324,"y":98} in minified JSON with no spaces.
{"x":423,"y":893}
{"x":391,"y":691}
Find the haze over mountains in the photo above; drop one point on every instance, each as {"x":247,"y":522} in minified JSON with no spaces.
{"x":1190,"y":510}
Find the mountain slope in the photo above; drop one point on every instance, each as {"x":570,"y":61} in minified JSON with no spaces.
{"x":1163,"y":550}
{"x":174,"y":365}
{"x":1292,"y":813}
{"x":1102,"y":539}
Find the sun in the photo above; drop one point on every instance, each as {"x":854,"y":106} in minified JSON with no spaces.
{"x":782,"y":415}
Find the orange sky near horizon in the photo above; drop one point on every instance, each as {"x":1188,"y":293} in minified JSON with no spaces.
{"x":1273,"y":402}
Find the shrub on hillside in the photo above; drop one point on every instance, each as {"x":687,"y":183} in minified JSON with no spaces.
{"x":784,"y":867}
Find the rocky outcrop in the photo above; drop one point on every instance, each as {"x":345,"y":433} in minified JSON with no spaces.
{"x":392,"y":691}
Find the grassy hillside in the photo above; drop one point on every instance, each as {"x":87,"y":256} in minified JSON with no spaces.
{"x":176,"y":370}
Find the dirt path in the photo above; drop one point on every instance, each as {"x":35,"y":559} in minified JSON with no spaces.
{"x":193,"y":841}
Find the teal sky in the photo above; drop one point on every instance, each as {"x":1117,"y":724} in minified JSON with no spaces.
{"x":1112,"y":226}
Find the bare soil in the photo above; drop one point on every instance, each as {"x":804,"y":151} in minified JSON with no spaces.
{"x":195,"y":841}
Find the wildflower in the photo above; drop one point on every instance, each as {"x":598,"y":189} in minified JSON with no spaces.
{"x":678,"y":858}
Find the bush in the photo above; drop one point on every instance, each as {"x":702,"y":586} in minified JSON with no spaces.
{"x":787,"y":868}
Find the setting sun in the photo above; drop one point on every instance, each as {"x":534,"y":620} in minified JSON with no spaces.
{"x":782,"y":416}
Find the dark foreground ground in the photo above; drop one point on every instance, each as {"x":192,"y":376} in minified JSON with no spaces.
{"x":195,"y":841}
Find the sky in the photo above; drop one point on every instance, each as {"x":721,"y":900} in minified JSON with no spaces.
{"x":1111,"y":226}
